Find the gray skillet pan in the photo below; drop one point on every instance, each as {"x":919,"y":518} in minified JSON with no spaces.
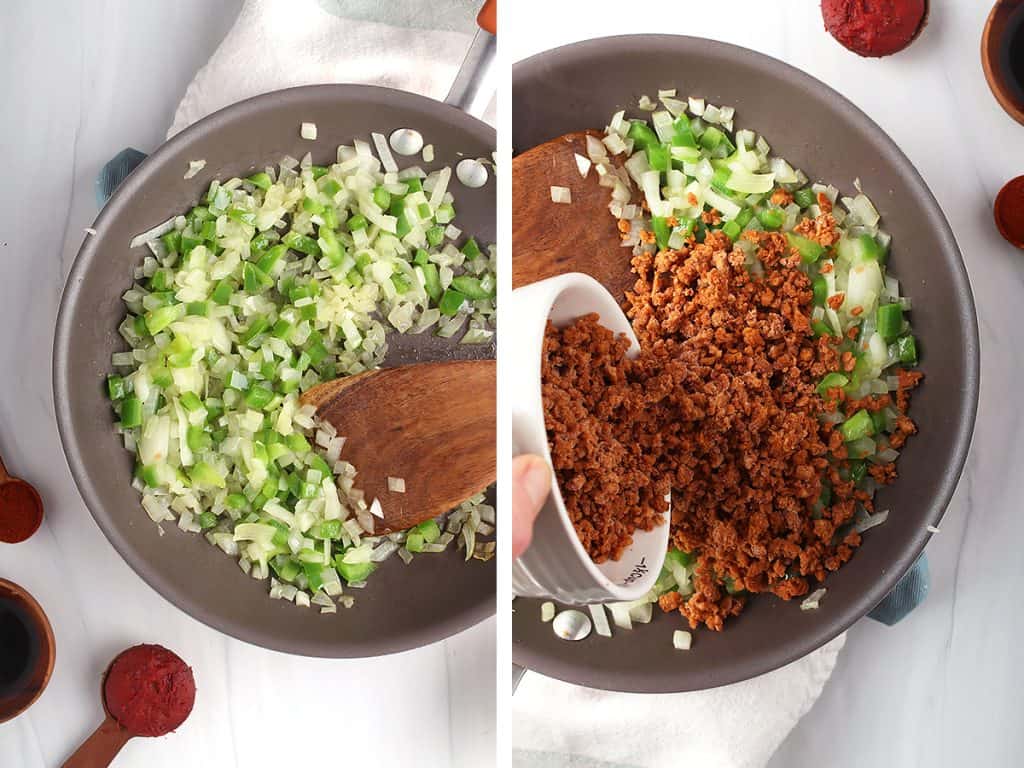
{"x":581,"y":86}
{"x":403,"y":606}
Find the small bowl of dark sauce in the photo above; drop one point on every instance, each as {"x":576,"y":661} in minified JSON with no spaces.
{"x":27,"y":650}
{"x":1002,"y":56}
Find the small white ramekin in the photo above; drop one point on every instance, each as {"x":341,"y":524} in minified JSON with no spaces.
{"x":556,"y":564}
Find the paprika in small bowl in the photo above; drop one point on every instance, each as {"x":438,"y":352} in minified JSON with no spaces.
{"x":21,"y":509}
{"x":1009,"y":211}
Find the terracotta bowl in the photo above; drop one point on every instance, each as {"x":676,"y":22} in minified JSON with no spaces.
{"x":43,"y":658}
{"x":1001,"y":20}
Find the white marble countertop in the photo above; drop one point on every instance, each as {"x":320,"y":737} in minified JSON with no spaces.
{"x":80,"y":80}
{"x":941,"y":688}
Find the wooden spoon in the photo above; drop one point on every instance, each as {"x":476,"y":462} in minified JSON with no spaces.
{"x":431,"y":424}
{"x":21,"y":509}
{"x":550,"y":238}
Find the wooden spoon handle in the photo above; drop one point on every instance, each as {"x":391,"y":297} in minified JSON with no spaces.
{"x":100,"y":749}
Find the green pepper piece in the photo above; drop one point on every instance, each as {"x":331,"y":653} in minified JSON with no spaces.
{"x":642,"y":135}
{"x":330,"y":188}
{"x":414,"y":542}
{"x":662,"y":231}
{"x":312,"y":206}
{"x":172,"y":241}
{"x":658,"y":157}
{"x":879,"y":422}
{"x":429,"y":530}
{"x":805,"y":197}
{"x":204,"y":474}
{"x":906,"y":349}
{"x":683,"y":133}
{"x":297,"y":443}
{"x":190,"y":401}
{"x":432,"y":282}
{"x":809,"y":250}
{"x":770,"y":218}
{"x":318,"y":171}
{"x":301,"y":243}
{"x":331,"y":247}
{"x":471,"y":250}
{"x":270,"y":259}
{"x":820,"y":328}
{"x":358,"y":221}
{"x":400,"y":282}
{"x":820,"y":287}
{"x":470,"y":287}
{"x":832,"y":381}
{"x":162,"y":376}
{"x":382,"y":198}
{"x":222,"y":293}
{"x":402,"y":225}
{"x":259,"y":324}
{"x":731,"y":229}
{"x":857,"y":426}
{"x":711,"y":138}
{"x":197,"y":439}
{"x":353,"y":572}
{"x":421,"y":257}
{"x":889,"y":320}
{"x":450,"y":302}
{"x":681,"y":558}
{"x":258,"y":397}
{"x":260,"y":180}
{"x":858,"y":468}
{"x":115,"y":387}
{"x":197,"y":308}
{"x":435,"y":235}
{"x":148,"y":474}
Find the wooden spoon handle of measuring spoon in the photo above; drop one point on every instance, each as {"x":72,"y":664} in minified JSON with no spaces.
{"x":100,"y":749}
{"x":431,"y":424}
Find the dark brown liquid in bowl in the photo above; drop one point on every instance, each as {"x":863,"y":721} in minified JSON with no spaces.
{"x":1011,"y":53}
{"x":19,"y":647}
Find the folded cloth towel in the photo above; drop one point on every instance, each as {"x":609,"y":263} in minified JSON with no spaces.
{"x":558,"y":725}
{"x":278,"y":44}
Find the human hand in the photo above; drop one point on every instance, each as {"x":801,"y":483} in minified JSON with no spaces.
{"x":531,"y":483}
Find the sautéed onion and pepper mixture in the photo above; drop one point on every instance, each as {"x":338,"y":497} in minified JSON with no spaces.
{"x":269,"y":285}
{"x":776,"y":349}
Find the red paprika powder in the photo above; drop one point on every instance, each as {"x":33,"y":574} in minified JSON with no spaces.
{"x":21,"y":511}
{"x":149,"y":690}
{"x":1009,"y":211}
{"x":874,"y":27}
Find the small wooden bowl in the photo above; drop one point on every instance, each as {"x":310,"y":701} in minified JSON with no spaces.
{"x":17,"y":702}
{"x":1010,"y":98}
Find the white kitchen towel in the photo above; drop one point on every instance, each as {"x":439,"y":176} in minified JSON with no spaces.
{"x":278,"y":44}
{"x":557,"y":725}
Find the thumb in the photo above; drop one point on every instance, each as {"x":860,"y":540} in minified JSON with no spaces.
{"x":531,"y":483}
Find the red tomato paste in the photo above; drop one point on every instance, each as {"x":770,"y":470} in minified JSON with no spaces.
{"x":149,"y":690}
{"x":874,"y":27}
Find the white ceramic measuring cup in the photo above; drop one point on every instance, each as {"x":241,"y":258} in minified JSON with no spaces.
{"x":556,"y":564}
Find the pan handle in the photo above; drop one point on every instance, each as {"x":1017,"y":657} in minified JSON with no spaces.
{"x":474,"y":86}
